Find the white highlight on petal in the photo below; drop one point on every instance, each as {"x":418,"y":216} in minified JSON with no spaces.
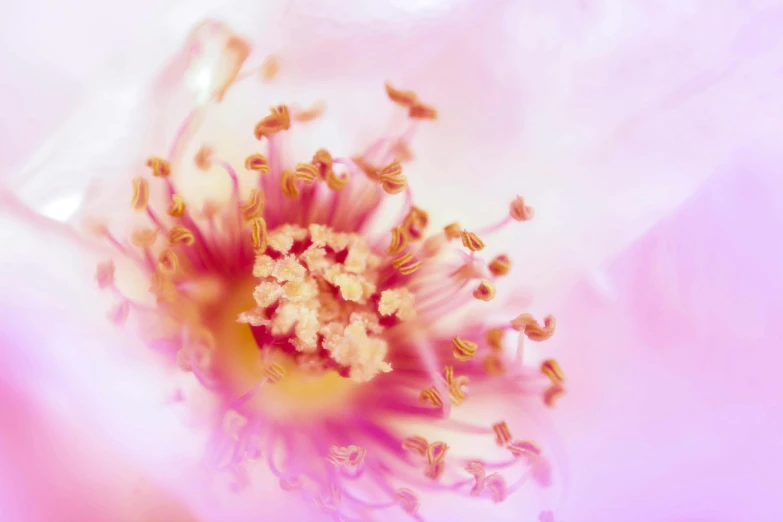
{"x":62,"y":208}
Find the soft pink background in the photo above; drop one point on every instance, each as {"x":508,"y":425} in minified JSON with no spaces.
{"x":678,"y":415}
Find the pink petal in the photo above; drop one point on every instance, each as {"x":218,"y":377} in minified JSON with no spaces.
{"x":674,"y":410}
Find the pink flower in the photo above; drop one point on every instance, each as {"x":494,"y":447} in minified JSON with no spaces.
{"x":294,"y":330}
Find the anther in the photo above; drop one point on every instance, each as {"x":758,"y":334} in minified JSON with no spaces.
{"x":259,"y":235}
{"x":496,"y":484}
{"x":306,"y":172}
{"x":471,"y":241}
{"x":278,"y":120}
{"x":399,"y":241}
{"x":500,"y":265}
{"x":463,"y":350}
{"x":432,"y":396}
{"x":391,"y":178}
{"x":415,"y":222}
{"x":144,"y":237}
{"x":495,"y":338}
{"x":160,"y":167}
{"x":141,"y":194}
{"x":180,"y":234}
{"x":416,"y":444}
{"x":551,"y":369}
{"x":313,"y":112}
{"x":177,"y":208}
{"x":258,"y":163}
{"x":405,"y":264}
{"x":274,"y":372}
{"x":203,"y":158}
{"x":485,"y":291}
{"x":452,"y":231}
{"x":168,"y":262}
{"x":493,"y":365}
{"x":527,"y":324}
{"x":552,"y":394}
{"x":420,"y":111}
{"x":404,"y":98}
{"x":270,"y":68}
{"x":519,"y":211}
{"x":254,"y":207}
{"x":502,"y":433}
{"x":407,"y":500}
{"x":524,"y":448}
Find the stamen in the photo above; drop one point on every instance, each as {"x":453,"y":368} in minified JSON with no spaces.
{"x":552,"y":394}
{"x":177,"y":208}
{"x":274,"y":372}
{"x":259,"y":235}
{"x":471,"y":241}
{"x":254,"y":207}
{"x":524,"y":448}
{"x":141,"y":194}
{"x":416,"y":222}
{"x":258,"y":163}
{"x":485,"y":291}
{"x":408,"y":500}
{"x":519,"y":211}
{"x":399,"y":241}
{"x":159,"y":166}
{"x":180,"y":234}
{"x":278,"y":120}
{"x":404,"y":98}
{"x":496,"y":484}
{"x":527,"y":324}
{"x":500,"y":265}
{"x":476,"y":469}
{"x":495,"y":338}
{"x":432,"y":396}
{"x":405,"y":264}
{"x":416,"y":444}
{"x":168,"y":262}
{"x":455,"y":385}
{"x":351,"y":455}
{"x":436,"y":455}
{"x":203,"y":158}
{"x":315,"y":111}
{"x":551,"y":369}
{"x":452,"y":231}
{"x":144,"y":237}
{"x":502,"y":433}
{"x":420,"y":111}
{"x":493,"y":365}
{"x":270,"y":68}
{"x":391,"y":178}
{"x":464,"y":350}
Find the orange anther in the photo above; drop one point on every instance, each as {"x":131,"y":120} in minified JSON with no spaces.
{"x":270,"y":68}
{"x":168,"y":262}
{"x":463,"y":350}
{"x":495,"y":338}
{"x":527,"y":324}
{"x":415,"y":222}
{"x":500,"y":265}
{"x":420,"y":111}
{"x":180,"y":234}
{"x":432,"y":396}
{"x":471,"y":241}
{"x":391,"y":178}
{"x":502,"y":433}
{"x":203,"y":158}
{"x":313,"y":112}
{"x":398,"y":241}
{"x":519,"y":211}
{"x":259,"y":235}
{"x":407,"y":500}
{"x":306,"y":172}
{"x":485,"y":291}
{"x":144,"y":237}
{"x":274,"y":372}
{"x":551,"y":369}
{"x":278,"y":120}
{"x":177,"y":208}
{"x":141,"y":194}
{"x":524,"y":448}
{"x":159,"y":166}
{"x":404,"y":98}
{"x":552,"y":394}
{"x":416,"y":444}
{"x":452,"y":231}
{"x":254,"y":207}
{"x":257,"y":162}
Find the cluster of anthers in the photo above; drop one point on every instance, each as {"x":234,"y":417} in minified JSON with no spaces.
{"x":318,"y":334}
